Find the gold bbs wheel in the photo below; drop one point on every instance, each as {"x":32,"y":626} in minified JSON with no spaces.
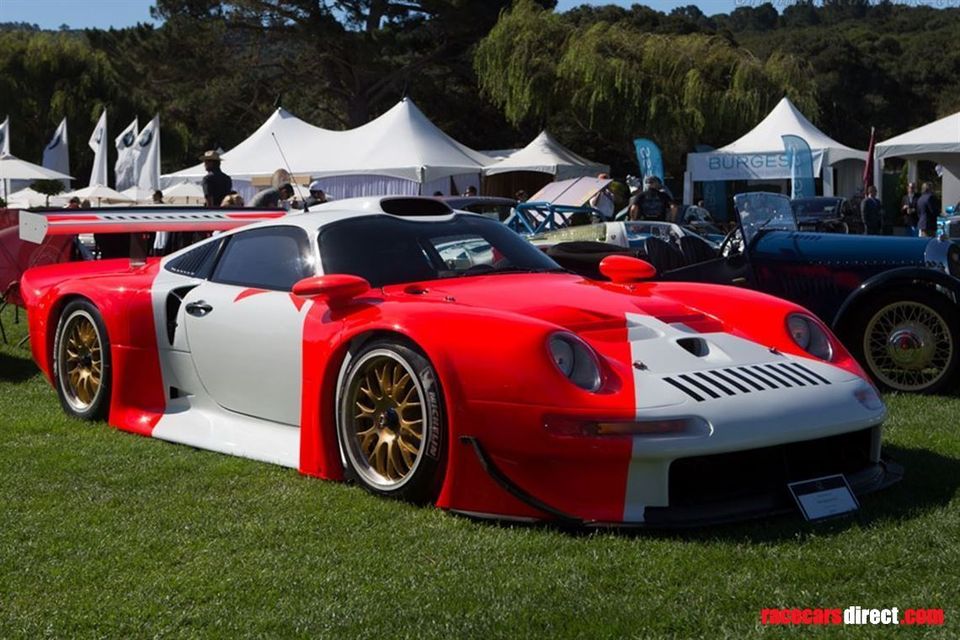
{"x":389,"y":421}
{"x":81,"y":361}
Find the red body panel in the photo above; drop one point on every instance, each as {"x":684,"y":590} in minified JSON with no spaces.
{"x":122,"y":295}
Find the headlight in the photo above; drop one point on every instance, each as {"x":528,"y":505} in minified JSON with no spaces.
{"x":809,"y":336}
{"x":575,"y":360}
{"x":953,"y":256}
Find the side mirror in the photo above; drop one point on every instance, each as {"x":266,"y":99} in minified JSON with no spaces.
{"x":335,"y":288}
{"x":624,"y":269}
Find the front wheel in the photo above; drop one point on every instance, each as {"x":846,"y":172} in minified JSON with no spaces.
{"x":390,"y":421}
{"x":81,"y":361}
{"x":909,"y":341}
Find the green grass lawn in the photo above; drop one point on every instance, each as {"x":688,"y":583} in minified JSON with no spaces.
{"x":107,"y":534}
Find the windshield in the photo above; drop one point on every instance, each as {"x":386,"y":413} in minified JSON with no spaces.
{"x":386,"y":250}
{"x":764,"y":211}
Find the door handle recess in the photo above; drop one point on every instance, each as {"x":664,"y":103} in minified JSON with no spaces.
{"x":198,"y":308}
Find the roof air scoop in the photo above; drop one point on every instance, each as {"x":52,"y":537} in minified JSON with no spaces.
{"x":696,"y":346}
{"x":413,"y":207}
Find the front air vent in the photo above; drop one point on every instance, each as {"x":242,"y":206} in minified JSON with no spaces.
{"x":714,"y":384}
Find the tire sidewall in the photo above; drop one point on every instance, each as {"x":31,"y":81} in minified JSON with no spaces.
{"x":99,"y":407}
{"x":424,"y":483}
{"x":935,"y":303}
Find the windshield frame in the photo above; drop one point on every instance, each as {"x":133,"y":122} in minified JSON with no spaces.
{"x":759,"y":211}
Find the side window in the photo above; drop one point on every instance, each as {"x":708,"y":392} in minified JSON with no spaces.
{"x":267,"y":258}
{"x":196,"y":262}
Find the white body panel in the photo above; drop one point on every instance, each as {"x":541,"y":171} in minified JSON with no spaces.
{"x":745,"y":420}
{"x":248,"y":350}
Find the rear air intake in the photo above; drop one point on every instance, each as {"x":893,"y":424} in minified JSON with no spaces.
{"x":714,"y":384}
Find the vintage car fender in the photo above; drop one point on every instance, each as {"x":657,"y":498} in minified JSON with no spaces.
{"x":929,"y":279}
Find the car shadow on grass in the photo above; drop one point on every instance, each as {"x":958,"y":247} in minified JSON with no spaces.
{"x":16,"y":369}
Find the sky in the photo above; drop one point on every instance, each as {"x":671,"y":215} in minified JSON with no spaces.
{"x":103,"y":14}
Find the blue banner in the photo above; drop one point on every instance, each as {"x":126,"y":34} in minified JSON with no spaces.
{"x":649,"y":158}
{"x":801,"y":167}
{"x":714,"y":193}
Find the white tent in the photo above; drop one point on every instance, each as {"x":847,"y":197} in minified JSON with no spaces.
{"x":13,"y":168}
{"x":938,"y":141}
{"x":402,"y":143}
{"x":26,"y":198}
{"x":259,"y":155}
{"x":184,"y":193}
{"x":760,"y":155}
{"x":136,"y":194}
{"x":545,"y":155}
{"x":98,"y":195}
{"x":400,"y":152}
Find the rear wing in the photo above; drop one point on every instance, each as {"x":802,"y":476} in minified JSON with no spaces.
{"x":36,"y":226}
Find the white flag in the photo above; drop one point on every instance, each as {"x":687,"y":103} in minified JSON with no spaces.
{"x":5,"y":137}
{"x":98,"y":142}
{"x":125,"y":169}
{"x":56,"y":154}
{"x":148,"y":146}
{"x":4,"y":150}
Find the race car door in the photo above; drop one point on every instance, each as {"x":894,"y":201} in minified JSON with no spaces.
{"x":245,"y":328}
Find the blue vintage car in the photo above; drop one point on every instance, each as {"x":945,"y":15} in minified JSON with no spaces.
{"x":894,"y":301}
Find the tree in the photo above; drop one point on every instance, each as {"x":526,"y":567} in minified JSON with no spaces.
{"x":617,"y":82}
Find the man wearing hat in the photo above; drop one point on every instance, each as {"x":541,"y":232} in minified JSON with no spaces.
{"x":317,"y":196}
{"x":216,"y":184}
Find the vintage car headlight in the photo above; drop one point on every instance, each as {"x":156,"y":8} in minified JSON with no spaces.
{"x":575,"y":360}
{"x":953,"y":257}
{"x":809,"y":336}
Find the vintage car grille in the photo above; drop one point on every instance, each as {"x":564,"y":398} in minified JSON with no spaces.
{"x":739,"y":475}
{"x":736,"y":381}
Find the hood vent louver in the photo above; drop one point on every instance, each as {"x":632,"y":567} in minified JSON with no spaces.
{"x":714,"y":384}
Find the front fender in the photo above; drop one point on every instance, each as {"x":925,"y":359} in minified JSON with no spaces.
{"x":906,"y":277}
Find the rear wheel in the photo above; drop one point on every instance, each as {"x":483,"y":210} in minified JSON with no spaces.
{"x":81,"y":361}
{"x":390,"y":421}
{"x":909,"y":341}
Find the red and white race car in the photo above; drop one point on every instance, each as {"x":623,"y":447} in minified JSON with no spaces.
{"x":436,"y":356}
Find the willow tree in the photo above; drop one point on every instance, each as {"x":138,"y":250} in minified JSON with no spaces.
{"x":619,"y":82}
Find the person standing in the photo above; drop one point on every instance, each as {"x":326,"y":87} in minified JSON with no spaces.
{"x":272,"y":198}
{"x":928,"y":210}
{"x":216,"y":184}
{"x":871,"y":213}
{"x":908,"y":207}
{"x":651,"y":203}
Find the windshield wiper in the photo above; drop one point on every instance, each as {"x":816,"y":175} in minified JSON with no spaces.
{"x":528,"y":270}
{"x":473,"y":271}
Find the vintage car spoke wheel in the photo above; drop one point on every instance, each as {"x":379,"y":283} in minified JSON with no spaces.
{"x":908,"y":344}
{"x":81,"y":361}
{"x":389,"y":421}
